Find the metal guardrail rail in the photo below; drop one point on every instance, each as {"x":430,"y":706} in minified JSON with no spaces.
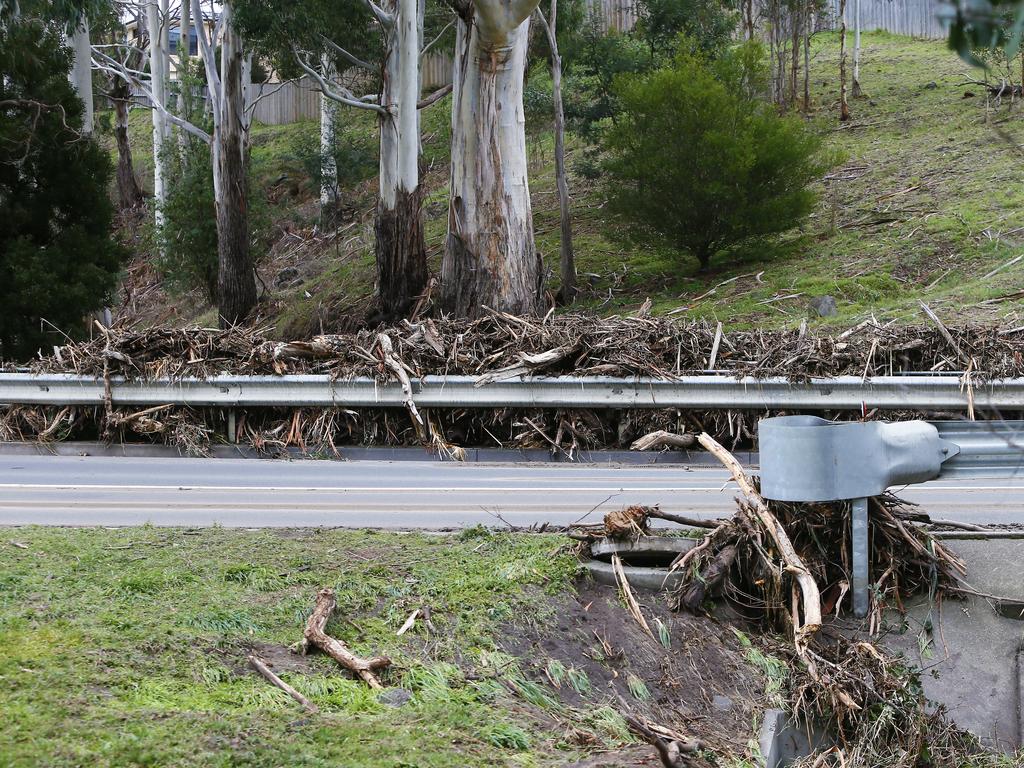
{"x":920,"y":393}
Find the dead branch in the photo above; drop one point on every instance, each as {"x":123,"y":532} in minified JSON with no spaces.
{"x":260,"y":666}
{"x":661,"y":439}
{"x":811,"y":621}
{"x":316,"y":635}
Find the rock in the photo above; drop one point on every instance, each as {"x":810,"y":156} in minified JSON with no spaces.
{"x":931,"y":86}
{"x":395,"y":697}
{"x":286,"y":276}
{"x":824,"y":306}
{"x":721,"y":703}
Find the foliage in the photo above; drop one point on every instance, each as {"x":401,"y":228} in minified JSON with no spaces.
{"x":354,"y":153}
{"x":738,"y":172}
{"x":982,"y":24}
{"x":594,"y":59}
{"x":57,"y":259}
{"x":187,"y":256}
{"x":661,"y":22}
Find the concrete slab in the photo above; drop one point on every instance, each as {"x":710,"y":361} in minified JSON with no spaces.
{"x":972,"y":665}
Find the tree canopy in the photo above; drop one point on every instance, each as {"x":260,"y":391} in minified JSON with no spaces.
{"x":57,"y":258}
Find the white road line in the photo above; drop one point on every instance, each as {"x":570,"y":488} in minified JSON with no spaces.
{"x":352,"y":489}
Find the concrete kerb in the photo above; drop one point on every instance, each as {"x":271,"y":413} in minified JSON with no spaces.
{"x":376,"y":453}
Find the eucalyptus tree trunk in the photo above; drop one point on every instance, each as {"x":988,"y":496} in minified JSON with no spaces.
{"x":856,"y":49}
{"x":401,"y":253}
{"x":489,"y":256}
{"x":567,"y":260}
{"x":129,"y":194}
{"x":81,"y":71}
{"x":236,"y":285}
{"x":329,"y":193}
{"x":159,"y":94}
{"x":844,"y":106}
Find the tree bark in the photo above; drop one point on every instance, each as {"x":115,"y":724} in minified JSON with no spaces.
{"x":81,"y":71}
{"x":844,"y":106}
{"x":400,"y":250}
{"x":236,"y":286}
{"x":329,"y":193}
{"x":128,"y":192}
{"x":489,"y":258}
{"x":856,"y":49}
{"x":156,"y":68}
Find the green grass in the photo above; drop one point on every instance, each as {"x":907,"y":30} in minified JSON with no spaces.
{"x":127,"y":648}
{"x":925,"y":203}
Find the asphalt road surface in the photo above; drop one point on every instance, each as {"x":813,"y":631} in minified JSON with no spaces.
{"x":119,"y":491}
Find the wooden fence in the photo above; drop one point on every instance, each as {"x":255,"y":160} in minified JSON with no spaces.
{"x":915,"y":18}
{"x":290,"y":102}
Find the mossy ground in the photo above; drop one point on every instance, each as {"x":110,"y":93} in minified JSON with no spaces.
{"x":924,"y":204}
{"x":127,"y":648}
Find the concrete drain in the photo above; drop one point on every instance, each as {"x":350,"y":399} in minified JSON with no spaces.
{"x":645,"y":560}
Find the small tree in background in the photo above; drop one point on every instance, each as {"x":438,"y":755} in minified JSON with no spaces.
{"x":57,"y":259}
{"x":697,"y":156}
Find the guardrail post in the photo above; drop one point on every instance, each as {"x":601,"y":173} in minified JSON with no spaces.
{"x":231,"y":425}
{"x":859,"y":537}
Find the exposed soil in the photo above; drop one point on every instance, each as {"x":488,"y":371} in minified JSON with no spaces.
{"x":701,"y":685}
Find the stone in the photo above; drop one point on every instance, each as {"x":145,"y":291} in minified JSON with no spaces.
{"x":824,"y":306}
{"x":721,"y":703}
{"x":286,"y":276}
{"x":395,"y":697}
{"x":931,"y":86}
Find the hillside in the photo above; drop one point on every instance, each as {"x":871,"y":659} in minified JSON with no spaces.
{"x":925,"y":205}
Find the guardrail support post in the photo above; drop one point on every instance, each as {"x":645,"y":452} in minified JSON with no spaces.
{"x":859,"y":537}
{"x":231,"y":425}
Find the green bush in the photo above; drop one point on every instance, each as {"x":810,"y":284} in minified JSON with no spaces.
{"x":696,"y":156}
{"x":354,"y":150}
{"x":57,"y":259}
{"x":188,"y":238}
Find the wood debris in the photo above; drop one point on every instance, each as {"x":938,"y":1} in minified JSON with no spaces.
{"x":315,"y":635}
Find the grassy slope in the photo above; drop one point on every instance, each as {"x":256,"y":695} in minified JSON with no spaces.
{"x":127,"y":648}
{"x":926,"y":203}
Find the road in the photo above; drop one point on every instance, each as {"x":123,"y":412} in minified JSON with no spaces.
{"x":119,"y":491}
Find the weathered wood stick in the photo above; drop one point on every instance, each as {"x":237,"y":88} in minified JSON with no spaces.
{"x":693,"y":522}
{"x":811,"y":597}
{"x":662,"y":439}
{"x":315,"y":634}
{"x":260,"y":666}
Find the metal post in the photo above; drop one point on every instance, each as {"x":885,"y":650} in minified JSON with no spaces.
{"x":231,"y":425}
{"x":859,"y":536}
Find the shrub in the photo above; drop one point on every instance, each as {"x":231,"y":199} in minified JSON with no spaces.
{"x":696,"y":156}
{"x":57,"y":259}
{"x":188,"y":237}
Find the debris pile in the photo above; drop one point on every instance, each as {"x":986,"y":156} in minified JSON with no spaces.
{"x":496,"y":347}
{"x":787,"y":567}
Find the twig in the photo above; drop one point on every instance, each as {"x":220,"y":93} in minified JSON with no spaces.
{"x":259,"y":665}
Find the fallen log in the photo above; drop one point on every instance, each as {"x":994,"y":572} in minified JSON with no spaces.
{"x":315,"y":634}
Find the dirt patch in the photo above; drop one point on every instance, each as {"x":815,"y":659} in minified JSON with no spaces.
{"x":693,"y":678}
{"x":639,"y":756}
{"x":278,"y":657}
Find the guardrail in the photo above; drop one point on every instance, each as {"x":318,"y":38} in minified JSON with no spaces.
{"x":919,"y":393}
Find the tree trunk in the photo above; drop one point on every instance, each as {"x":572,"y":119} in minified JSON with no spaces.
{"x":81,"y":71}
{"x":490,"y":257}
{"x":156,"y":67}
{"x":128,"y":192}
{"x":844,"y":107}
{"x":400,"y":250}
{"x":329,"y":193}
{"x":236,"y":286}
{"x":808,"y":28}
{"x":856,"y":49}
{"x":567,"y":260}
